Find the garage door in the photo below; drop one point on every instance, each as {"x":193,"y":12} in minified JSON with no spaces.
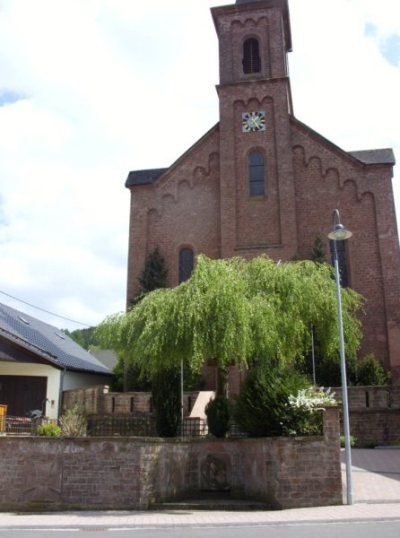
{"x":22,"y":393}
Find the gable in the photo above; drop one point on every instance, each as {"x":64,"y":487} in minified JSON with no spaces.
{"x":153,"y":175}
{"x":12,"y":350}
{"x":383,"y":156}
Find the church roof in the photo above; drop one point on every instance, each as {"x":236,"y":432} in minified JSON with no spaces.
{"x":147,"y":177}
{"x":144,"y":177}
{"x":47,"y":342}
{"x":375,"y":156}
{"x":384,"y":156}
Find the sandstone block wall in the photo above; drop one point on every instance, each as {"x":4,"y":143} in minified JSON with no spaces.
{"x":374,"y":414}
{"x":133,"y":473}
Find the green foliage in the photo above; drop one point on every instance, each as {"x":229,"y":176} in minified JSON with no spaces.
{"x":307,"y":407}
{"x":233,"y":310}
{"x":327,"y":369}
{"x":371,"y":372}
{"x":154,"y":275}
{"x":112,"y":332}
{"x":128,"y":378}
{"x":353,"y":441}
{"x":218,"y":415}
{"x":49,"y":429}
{"x":73,"y":422}
{"x":166,"y":395}
{"x":318,"y":252}
{"x":262,"y":407}
{"x":84,"y":337}
{"x":369,"y":443}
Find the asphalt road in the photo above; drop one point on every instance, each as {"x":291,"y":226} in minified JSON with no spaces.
{"x":353,"y":529}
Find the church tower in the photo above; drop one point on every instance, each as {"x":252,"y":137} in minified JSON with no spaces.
{"x":262,"y":182}
{"x":256,"y":172}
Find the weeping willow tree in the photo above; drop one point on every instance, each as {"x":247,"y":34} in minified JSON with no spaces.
{"x":234,"y":311}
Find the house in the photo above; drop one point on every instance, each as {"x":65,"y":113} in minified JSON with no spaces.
{"x":38,"y":362}
{"x":260,"y":181}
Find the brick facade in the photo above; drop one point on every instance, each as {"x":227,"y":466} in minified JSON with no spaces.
{"x":202,"y":201}
{"x":133,"y":473}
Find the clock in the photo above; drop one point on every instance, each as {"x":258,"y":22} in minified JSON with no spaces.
{"x":253,"y":121}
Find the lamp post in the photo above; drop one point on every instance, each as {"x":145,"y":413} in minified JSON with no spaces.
{"x":339,"y":233}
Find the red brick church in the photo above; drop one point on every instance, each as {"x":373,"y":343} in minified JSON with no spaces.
{"x":262,"y":182}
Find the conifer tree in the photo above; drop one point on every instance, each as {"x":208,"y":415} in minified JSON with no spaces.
{"x":154,"y":274}
{"x":318,"y":252}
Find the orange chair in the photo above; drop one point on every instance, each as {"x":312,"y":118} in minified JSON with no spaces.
{"x":3,"y":413}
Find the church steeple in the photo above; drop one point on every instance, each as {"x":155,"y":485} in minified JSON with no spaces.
{"x":255,"y":137}
{"x":254,"y":39}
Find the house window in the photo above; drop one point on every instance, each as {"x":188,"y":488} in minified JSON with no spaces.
{"x":342,"y":261}
{"x":256,"y":173}
{"x":251,"y":56}
{"x":186,"y":261}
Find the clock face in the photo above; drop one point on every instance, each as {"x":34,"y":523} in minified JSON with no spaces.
{"x":253,"y":121}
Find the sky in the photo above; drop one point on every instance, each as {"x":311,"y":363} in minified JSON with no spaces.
{"x":91,"y":89}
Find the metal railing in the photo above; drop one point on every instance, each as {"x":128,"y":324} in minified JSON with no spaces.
{"x":194,"y":427}
{"x":117,"y":425}
{"x":122,"y":425}
{"x":20,"y":425}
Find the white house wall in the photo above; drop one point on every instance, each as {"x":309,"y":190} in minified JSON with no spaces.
{"x":76,"y":380}
{"x":41,"y":370}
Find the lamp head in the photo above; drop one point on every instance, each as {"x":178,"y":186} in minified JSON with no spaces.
{"x":339,"y":233}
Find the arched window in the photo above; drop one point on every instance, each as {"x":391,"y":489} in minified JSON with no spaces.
{"x":186,"y":261}
{"x":251,"y":56}
{"x":256,"y":167}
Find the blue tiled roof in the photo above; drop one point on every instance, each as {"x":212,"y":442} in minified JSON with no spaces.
{"x":60,"y":348}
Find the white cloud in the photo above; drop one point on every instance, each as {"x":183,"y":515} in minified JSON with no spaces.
{"x":113,"y":85}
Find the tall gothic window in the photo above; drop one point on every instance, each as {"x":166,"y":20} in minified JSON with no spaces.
{"x":251,"y":56}
{"x":186,"y":262}
{"x":256,"y":168}
{"x":342,"y":261}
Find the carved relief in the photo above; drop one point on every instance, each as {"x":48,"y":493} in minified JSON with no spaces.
{"x":43,"y":478}
{"x":215,"y":474}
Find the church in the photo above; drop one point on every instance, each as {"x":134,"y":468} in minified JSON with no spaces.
{"x":262,"y":182}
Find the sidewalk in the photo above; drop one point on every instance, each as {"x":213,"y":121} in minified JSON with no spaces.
{"x":376,"y":487}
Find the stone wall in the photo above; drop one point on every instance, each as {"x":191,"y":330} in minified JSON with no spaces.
{"x":374,"y":414}
{"x":134,"y":473}
{"x":99,"y":401}
{"x":374,"y":411}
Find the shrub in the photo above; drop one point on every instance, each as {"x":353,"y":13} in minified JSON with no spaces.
{"x":307,"y":406}
{"x":166,"y":394}
{"x":49,"y":429}
{"x":73,"y":423}
{"x":353,"y":441}
{"x":371,"y":372}
{"x":218,"y":414}
{"x":262,"y":407}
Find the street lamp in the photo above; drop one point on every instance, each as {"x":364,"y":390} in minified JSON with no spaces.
{"x":339,"y":233}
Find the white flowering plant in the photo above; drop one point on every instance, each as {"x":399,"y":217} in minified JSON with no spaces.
{"x":312,"y":399}
{"x":305,"y":410}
